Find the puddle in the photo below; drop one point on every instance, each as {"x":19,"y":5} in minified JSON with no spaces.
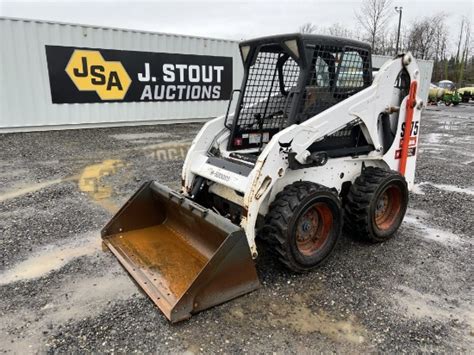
{"x":73,"y":300}
{"x":31,"y":188}
{"x":304,"y":321}
{"x":433,"y":138}
{"x":452,"y":188}
{"x":418,"y":213}
{"x":454,"y":125}
{"x":52,"y":258}
{"x":449,"y":188}
{"x":423,"y":305}
{"x":417,"y":190}
{"x":75,"y":296}
{"x":12,"y":172}
{"x":90,"y":182}
{"x":140,"y":137}
{"x":296,"y":315}
{"x":88,"y":296}
{"x":438,"y":235}
{"x":168,"y":151}
{"x":433,"y":148}
{"x":447,"y":149}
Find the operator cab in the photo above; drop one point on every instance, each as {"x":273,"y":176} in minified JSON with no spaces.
{"x":291,"y":78}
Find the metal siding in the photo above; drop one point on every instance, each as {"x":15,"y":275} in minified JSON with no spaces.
{"x":25,"y":97}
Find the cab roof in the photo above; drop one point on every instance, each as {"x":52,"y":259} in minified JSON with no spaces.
{"x":308,"y":38}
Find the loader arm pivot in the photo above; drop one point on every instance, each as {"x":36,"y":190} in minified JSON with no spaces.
{"x":364,"y":106}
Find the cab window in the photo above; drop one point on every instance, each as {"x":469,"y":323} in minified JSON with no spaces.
{"x":351,"y":71}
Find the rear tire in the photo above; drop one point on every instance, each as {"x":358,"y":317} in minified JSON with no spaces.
{"x":376,"y":204}
{"x":303,"y":225}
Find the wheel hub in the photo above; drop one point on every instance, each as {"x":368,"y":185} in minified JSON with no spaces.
{"x":306,"y":226}
{"x":313,"y":227}
{"x":382,"y":205}
{"x":388,"y":207}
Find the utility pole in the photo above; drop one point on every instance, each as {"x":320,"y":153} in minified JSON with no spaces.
{"x":398,"y":9}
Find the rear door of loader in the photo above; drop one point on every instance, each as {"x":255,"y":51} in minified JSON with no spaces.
{"x":185,"y":257}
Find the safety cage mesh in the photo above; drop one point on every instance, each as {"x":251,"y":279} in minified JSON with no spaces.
{"x":335,"y":73}
{"x":266,"y":98}
{"x":331,"y":75}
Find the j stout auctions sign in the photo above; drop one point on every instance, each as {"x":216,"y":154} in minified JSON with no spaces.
{"x":83,"y":75}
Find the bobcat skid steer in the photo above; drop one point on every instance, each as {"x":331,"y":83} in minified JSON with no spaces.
{"x":316,"y":140}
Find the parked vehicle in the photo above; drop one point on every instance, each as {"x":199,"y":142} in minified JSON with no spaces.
{"x":451,"y":95}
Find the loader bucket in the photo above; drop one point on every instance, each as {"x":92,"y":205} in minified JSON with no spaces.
{"x":185,"y":257}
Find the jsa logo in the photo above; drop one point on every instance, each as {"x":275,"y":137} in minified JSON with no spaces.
{"x":90,"y":72}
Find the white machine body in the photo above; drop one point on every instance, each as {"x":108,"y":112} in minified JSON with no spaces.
{"x":271,"y":172}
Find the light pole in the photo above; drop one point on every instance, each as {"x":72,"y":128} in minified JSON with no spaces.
{"x":398,"y":9}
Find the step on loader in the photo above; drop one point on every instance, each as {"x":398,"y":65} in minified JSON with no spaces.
{"x":316,"y":140}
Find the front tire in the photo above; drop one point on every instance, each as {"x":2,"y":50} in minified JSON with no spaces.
{"x":303,"y":225}
{"x":376,"y":204}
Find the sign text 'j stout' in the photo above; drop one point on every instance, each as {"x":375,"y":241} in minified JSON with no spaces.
{"x":83,"y":75}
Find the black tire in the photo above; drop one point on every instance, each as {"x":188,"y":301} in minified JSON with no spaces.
{"x":376,"y":204}
{"x":303,"y":225}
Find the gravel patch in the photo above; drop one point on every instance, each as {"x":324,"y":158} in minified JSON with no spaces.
{"x":60,"y":292}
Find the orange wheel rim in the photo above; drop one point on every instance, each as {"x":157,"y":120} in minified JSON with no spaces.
{"x":313,"y":228}
{"x":388,"y":207}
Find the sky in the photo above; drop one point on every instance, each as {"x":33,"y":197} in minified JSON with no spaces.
{"x":231,"y":19}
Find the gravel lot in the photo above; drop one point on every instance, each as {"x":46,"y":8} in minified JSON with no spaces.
{"x":61,"y":292}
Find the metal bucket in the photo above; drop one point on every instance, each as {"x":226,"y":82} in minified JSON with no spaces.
{"x":185,"y":257}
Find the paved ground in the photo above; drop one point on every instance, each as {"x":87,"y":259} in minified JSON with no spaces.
{"x":60,"y":292}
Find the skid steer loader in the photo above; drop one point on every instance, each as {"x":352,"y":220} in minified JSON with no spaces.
{"x":316,"y":140}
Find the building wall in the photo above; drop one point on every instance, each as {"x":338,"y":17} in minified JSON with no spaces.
{"x":25,"y":95}
{"x":26,"y":101}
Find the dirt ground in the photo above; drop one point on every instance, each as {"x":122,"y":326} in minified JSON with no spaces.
{"x":61,"y":292}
